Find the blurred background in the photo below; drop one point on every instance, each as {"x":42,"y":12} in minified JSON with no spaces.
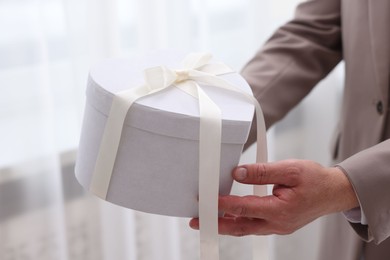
{"x":46,"y":49}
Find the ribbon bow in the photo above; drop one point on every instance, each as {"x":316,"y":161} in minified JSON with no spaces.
{"x":163,"y":77}
{"x":196,"y":69}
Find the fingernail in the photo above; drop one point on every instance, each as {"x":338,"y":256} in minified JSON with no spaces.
{"x":194,"y":224}
{"x":240,"y":174}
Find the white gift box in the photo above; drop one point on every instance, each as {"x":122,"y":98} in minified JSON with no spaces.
{"x":157,"y":165}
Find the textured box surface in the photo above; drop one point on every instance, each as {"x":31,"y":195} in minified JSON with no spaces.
{"x":156,"y":168}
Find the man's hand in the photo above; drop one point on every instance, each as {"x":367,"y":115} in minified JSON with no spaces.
{"x":303,"y":191}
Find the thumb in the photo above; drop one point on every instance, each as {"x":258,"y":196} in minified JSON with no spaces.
{"x":282,"y":173}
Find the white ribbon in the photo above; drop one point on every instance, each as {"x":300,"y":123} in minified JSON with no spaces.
{"x":196,"y":69}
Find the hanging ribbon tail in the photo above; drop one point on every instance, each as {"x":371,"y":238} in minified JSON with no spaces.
{"x":260,"y":190}
{"x":261,"y":146}
{"x":209,"y":169}
{"x":210,"y":135}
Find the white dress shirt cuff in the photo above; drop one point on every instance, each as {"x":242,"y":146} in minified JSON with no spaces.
{"x":355,"y":215}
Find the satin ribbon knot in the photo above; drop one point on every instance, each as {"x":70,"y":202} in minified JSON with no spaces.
{"x":161,"y":77}
{"x":182,"y":75}
{"x":196,"y":66}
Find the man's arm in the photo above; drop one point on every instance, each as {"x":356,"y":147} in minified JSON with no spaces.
{"x":295,"y":59}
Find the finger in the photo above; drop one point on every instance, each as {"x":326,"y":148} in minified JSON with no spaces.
{"x":249,"y":206}
{"x":227,"y":215}
{"x":241,"y":226}
{"x":238,"y":226}
{"x":283,"y":173}
{"x":194,"y":223}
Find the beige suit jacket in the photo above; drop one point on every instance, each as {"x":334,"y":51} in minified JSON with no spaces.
{"x":304,"y":51}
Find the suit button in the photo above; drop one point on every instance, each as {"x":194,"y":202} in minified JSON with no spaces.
{"x":379,"y":107}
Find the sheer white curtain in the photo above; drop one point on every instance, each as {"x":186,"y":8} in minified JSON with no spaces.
{"x":46,"y":48}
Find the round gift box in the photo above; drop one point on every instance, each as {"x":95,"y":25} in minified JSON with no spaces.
{"x":156,"y":167}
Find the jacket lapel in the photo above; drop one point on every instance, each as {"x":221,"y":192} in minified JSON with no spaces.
{"x":379,"y":22}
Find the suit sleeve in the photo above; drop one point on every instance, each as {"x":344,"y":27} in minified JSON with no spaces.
{"x":369,"y":173}
{"x":295,"y":59}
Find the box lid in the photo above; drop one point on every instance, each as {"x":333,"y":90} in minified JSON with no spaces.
{"x":170,"y":112}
